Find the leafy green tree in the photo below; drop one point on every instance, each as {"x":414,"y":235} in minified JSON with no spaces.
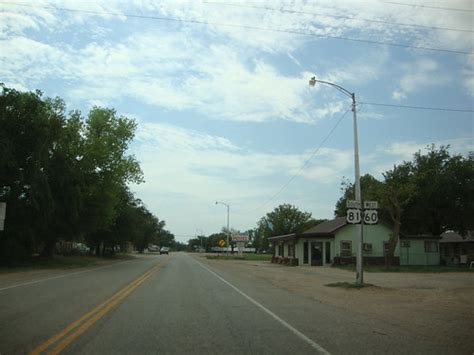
{"x":284,"y":219}
{"x":30,"y":128}
{"x":107,"y":169}
{"x":444,"y":194}
{"x":62,"y":177}
{"x":370,"y":190}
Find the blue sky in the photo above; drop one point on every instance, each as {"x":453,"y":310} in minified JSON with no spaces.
{"x":224,"y":109}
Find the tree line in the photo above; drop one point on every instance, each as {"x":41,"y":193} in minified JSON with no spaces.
{"x":65,"y":177}
{"x":430,"y":194}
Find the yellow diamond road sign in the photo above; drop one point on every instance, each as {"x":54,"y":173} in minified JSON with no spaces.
{"x":222,"y":243}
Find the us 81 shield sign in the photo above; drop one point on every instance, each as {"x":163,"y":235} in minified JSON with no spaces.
{"x":354,"y":216}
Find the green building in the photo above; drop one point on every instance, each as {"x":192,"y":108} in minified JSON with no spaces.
{"x":336,"y":242}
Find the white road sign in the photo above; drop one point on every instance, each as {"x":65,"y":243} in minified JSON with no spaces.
{"x":353,"y":204}
{"x":353,"y":216}
{"x":240,"y":238}
{"x":370,"y":205}
{"x":371,"y":217}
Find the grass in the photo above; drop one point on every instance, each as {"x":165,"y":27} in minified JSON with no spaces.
{"x":408,"y":268}
{"x":61,"y":262}
{"x":349,"y":285}
{"x":251,"y":257}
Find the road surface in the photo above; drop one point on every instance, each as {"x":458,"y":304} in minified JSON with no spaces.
{"x":182,"y":304}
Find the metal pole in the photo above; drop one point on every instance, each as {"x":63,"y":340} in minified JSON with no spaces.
{"x":228,"y":230}
{"x":358,"y":197}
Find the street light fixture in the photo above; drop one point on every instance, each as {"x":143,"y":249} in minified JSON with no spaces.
{"x":228,"y":231}
{"x":200,"y":236}
{"x":358,"y":196}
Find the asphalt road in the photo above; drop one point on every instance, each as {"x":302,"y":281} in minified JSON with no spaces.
{"x":183,"y":304}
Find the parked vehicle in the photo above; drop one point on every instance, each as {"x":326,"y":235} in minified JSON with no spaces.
{"x":153,"y":248}
{"x":164,"y":250}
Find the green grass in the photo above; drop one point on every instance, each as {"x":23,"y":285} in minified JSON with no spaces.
{"x":252,"y":257}
{"x":348,"y":285}
{"x":61,"y":262}
{"x":407,"y":268}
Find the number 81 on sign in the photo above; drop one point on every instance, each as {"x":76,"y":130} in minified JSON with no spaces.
{"x":354,"y":216}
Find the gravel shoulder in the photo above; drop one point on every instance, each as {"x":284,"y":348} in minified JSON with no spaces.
{"x":437,"y":306}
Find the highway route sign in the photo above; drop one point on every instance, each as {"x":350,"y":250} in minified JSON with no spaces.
{"x":371,"y":217}
{"x":354,"y":216}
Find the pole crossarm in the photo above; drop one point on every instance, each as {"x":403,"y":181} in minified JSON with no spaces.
{"x":340,"y":88}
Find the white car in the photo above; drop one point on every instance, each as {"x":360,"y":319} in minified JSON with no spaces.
{"x":153,"y":247}
{"x":164,"y":250}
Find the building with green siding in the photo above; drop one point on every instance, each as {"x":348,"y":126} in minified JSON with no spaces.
{"x":336,"y":242}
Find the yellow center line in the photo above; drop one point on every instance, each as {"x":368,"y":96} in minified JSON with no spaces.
{"x":69,"y":339}
{"x":116,"y":298}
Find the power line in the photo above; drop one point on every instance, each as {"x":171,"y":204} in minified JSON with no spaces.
{"x":305,"y":164}
{"x":428,"y":7}
{"x":448,"y":109}
{"x":337,"y":16}
{"x":247,"y":27}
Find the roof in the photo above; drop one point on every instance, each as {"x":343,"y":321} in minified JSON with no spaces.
{"x":326,"y":228}
{"x":418,"y":236}
{"x":291,"y":236}
{"x":453,"y":237}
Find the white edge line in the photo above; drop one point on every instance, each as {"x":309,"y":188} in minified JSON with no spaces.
{"x":312,"y":343}
{"x":60,"y":276}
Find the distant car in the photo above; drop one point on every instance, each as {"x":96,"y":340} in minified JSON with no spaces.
{"x":164,"y":250}
{"x":152,"y":247}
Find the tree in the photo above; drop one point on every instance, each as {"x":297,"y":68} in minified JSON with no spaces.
{"x":284,"y":219}
{"x":444,"y":194}
{"x":370,"y":189}
{"x":30,"y":128}
{"x":62,"y":177}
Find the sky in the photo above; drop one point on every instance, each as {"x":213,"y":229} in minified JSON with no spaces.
{"x":220,"y":92}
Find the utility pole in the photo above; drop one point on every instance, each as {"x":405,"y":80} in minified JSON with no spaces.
{"x":358,"y":194}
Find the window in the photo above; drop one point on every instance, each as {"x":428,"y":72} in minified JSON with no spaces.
{"x":367,"y":247}
{"x":346,"y":248}
{"x":386,"y":248}
{"x":431,"y":246}
{"x":305,"y":252}
{"x":405,"y":243}
{"x":280,"y":250}
{"x":291,"y":250}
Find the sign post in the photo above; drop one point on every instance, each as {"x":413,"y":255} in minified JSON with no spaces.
{"x":3,"y":210}
{"x":241,"y":240}
{"x":361,"y":214}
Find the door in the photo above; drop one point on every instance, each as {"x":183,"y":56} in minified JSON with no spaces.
{"x":316,"y":253}
{"x":328,"y":253}
{"x":305,"y":252}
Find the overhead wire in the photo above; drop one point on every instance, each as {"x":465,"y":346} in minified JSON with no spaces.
{"x":344,"y":17}
{"x":305,"y":164}
{"x":428,"y":6}
{"x":448,"y":109}
{"x":248,"y":27}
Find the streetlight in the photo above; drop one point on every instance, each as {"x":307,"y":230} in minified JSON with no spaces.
{"x":201,"y":236}
{"x":228,"y":231}
{"x":358,"y":196}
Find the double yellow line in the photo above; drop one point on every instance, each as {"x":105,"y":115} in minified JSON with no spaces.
{"x":76,"y":328}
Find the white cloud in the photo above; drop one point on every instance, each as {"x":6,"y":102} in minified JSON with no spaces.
{"x":419,"y":75}
{"x":405,"y":150}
